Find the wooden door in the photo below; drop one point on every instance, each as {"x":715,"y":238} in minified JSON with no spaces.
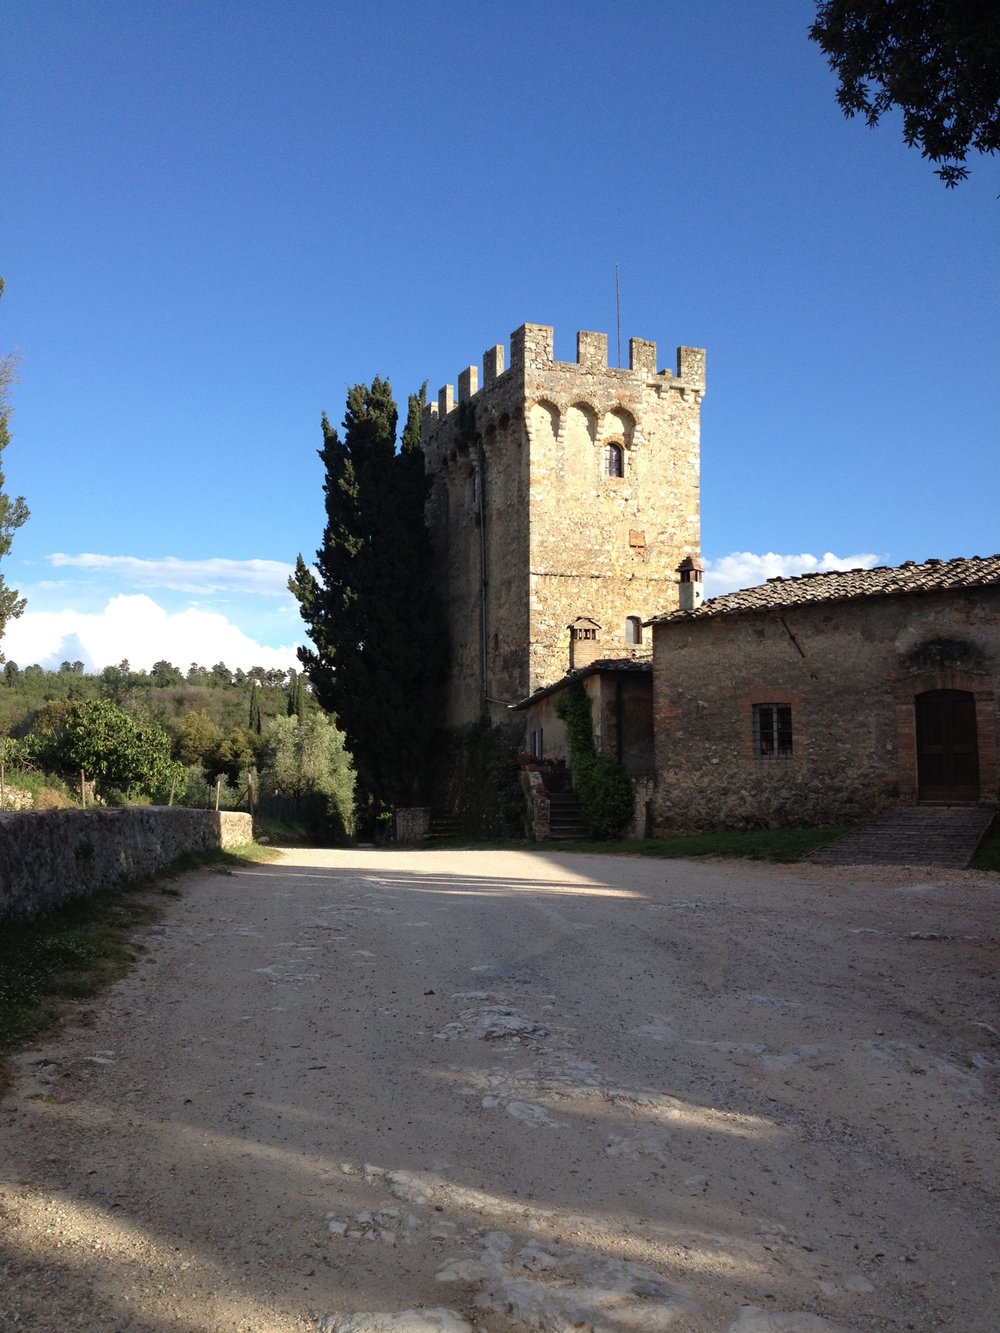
{"x":947,"y":749}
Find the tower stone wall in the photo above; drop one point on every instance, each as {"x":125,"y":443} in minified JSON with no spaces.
{"x":560,"y":490}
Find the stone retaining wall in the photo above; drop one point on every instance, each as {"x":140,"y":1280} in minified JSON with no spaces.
{"x":48,"y":857}
{"x":412,"y":823}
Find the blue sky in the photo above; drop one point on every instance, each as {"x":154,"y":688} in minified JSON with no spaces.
{"x":218,"y":215}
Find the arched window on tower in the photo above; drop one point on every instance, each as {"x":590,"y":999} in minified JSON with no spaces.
{"x":614,"y":460}
{"x":633,"y":630}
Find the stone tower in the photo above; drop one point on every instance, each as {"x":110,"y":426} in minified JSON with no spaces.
{"x":564,"y":495}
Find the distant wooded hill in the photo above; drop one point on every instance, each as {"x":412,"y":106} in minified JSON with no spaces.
{"x":231,"y":699}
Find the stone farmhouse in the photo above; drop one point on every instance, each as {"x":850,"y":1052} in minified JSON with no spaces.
{"x":829,"y":697}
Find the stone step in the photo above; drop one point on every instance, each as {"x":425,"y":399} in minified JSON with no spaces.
{"x":943,"y":835}
{"x":565,"y":820}
{"x":442,"y":826}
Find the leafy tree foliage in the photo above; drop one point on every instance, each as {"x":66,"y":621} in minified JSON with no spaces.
{"x":937,"y":60}
{"x":207,"y":724}
{"x":369,"y":609}
{"x":119,"y":683}
{"x":117,"y":753}
{"x":164,"y":674}
{"x":197,"y":739}
{"x":235,"y":754}
{"x":12,"y":512}
{"x":304,"y":758}
{"x":162,"y":694}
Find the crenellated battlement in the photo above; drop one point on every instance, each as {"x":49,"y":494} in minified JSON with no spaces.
{"x":531,"y":355}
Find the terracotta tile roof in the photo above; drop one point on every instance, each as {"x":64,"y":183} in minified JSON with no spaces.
{"x":844,"y":585}
{"x":612,"y":665}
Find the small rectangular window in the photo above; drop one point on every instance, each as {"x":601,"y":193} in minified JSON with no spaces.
{"x":772,"y":731}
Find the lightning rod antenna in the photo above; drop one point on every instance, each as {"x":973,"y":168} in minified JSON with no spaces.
{"x":618,"y":310}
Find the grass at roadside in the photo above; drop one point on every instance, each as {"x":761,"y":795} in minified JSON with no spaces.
{"x":755,"y":844}
{"x":987,"y":856}
{"x":76,"y":951}
{"x":786,"y":844}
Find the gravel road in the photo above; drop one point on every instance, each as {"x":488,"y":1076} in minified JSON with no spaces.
{"x":364,"y":1092}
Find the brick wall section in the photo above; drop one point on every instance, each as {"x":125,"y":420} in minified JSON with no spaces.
{"x":530,"y":533}
{"x":48,"y":857}
{"x":850,"y":671}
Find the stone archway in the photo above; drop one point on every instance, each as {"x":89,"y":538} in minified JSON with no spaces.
{"x":947,"y":744}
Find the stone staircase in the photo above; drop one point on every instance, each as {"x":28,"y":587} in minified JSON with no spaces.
{"x":565,"y":819}
{"x":921,"y":835}
{"x":442,"y":825}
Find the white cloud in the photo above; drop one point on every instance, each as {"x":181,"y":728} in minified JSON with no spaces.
{"x":133,"y":626}
{"x":744,"y":569}
{"x":266,"y":577}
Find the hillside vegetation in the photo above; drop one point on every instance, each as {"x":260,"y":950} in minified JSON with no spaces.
{"x":247,"y":739}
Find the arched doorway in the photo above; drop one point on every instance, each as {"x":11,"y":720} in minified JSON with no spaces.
{"x":947,"y":746}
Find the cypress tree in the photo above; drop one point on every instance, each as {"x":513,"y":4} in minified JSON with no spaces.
{"x":378,"y":649}
{"x":253,"y":721}
{"x":296,"y":696}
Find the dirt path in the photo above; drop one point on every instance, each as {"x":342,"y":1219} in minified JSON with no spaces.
{"x":523,"y":1092}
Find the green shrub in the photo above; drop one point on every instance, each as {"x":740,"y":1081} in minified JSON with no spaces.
{"x":605,"y":796}
{"x":601,"y":784}
{"x":199,"y":793}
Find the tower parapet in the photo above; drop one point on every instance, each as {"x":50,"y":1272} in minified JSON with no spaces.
{"x":531,"y":351}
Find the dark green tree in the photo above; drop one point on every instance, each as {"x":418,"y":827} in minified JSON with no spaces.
{"x":164,"y":674}
{"x":120,"y":682}
{"x":296,"y":694}
{"x":197,"y":739}
{"x":938,"y":61}
{"x":253,"y":720}
{"x":378,"y":644}
{"x":235,"y":753}
{"x":12,"y":512}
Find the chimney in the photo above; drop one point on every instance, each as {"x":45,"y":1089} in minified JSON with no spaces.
{"x":691,"y":594}
{"x":584,"y":642}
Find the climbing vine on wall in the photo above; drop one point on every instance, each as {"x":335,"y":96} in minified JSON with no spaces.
{"x":601,"y":784}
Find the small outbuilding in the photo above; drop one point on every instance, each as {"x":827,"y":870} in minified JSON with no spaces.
{"x":620,"y":691}
{"x":621,"y":696}
{"x":829,"y":697}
